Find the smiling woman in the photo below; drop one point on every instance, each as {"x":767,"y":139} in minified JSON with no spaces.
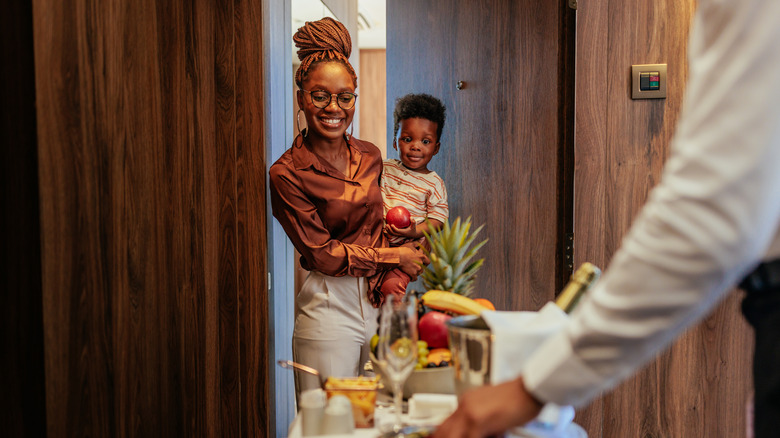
{"x":325,"y":194}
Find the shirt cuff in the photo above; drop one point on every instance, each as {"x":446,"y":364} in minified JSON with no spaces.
{"x":555,"y":374}
{"x":388,"y":258}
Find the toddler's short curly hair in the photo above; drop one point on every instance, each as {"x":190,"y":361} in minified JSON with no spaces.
{"x":423,"y":106}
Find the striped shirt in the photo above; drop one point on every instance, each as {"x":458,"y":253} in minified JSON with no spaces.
{"x":423,"y":194}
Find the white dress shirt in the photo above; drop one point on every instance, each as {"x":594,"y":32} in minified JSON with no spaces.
{"x":713,"y":217}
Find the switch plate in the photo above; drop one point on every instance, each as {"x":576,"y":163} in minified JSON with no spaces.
{"x":644,"y":71}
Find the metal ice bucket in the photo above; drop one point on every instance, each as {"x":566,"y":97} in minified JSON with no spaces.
{"x":471,"y":345}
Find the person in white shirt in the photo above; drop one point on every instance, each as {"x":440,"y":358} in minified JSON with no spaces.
{"x":713,"y":218}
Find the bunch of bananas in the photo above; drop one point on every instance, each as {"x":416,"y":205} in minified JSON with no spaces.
{"x":450,"y":302}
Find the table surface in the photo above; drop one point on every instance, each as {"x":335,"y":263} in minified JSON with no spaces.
{"x":383,"y":416}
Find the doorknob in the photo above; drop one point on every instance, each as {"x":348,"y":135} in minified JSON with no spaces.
{"x":460,"y":85}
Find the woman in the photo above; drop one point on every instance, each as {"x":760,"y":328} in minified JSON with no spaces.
{"x":325,"y":193}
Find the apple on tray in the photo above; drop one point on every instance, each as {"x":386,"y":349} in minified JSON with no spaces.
{"x":432,"y":329}
{"x":399,"y":216}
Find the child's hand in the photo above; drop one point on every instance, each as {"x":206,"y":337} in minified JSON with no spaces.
{"x":409,"y":232}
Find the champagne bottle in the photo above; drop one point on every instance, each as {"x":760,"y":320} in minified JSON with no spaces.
{"x":581,"y":280}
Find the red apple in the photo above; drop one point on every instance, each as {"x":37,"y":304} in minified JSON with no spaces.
{"x":433,"y":330}
{"x":399,"y":216}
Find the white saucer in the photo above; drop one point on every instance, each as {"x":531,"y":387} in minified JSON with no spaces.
{"x":572,"y":431}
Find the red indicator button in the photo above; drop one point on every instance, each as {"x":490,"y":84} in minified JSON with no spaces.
{"x":649,"y":81}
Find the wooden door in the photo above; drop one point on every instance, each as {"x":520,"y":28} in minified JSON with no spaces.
{"x":503,"y":141}
{"x":152,"y":183}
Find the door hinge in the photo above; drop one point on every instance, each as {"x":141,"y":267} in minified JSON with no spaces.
{"x":573,"y":4}
{"x":568,"y":254}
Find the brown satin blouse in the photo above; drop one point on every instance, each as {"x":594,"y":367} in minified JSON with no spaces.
{"x":334,"y":221}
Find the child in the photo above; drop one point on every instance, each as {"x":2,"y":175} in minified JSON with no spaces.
{"x":408,"y":182}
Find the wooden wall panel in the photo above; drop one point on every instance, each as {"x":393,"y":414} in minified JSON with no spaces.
{"x":373,"y":99}
{"x":699,"y":386}
{"x":152,"y":216}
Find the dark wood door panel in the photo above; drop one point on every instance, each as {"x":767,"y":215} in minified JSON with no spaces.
{"x":152,"y":217}
{"x":500,"y":145}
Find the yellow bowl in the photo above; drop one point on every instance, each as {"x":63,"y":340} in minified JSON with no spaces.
{"x":361,"y":392}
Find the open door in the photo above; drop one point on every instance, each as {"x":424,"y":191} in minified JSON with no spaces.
{"x":499,"y":67}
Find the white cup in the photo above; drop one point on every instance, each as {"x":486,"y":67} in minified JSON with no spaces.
{"x":338,"y":416}
{"x":312,"y":411}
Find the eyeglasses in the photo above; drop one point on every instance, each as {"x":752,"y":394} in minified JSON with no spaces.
{"x":321,"y":99}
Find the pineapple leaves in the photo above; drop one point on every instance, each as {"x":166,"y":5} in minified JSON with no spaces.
{"x":451,"y":253}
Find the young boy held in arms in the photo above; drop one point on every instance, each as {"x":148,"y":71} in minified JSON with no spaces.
{"x":407,"y":181}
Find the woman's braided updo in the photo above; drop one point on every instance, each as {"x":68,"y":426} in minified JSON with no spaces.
{"x":320,"y":41}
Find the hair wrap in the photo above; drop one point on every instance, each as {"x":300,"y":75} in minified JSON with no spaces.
{"x":322,"y":40}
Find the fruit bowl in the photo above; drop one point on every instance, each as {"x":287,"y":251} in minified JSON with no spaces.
{"x":440,"y":380}
{"x":430,"y":381}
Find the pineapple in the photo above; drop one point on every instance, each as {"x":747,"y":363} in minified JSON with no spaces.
{"x":450,"y":268}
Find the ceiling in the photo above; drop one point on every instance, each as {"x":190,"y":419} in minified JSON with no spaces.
{"x":371,"y":19}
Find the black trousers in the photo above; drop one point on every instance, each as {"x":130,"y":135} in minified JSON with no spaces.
{"x":762,"y":311}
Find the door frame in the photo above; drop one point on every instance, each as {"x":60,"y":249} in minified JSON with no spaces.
{"x":277,"y":64}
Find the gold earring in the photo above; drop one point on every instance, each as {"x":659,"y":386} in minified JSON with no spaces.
{"x":304,"y":132}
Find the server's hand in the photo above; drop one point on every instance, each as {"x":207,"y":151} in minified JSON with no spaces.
{"x":490,"y":410}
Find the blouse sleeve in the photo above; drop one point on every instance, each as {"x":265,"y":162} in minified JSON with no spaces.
{"x":298,"y":216}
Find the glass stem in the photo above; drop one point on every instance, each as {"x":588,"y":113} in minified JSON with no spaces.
{"x":397,"y":398}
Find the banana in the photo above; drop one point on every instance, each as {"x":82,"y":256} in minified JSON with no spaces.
{"x":452,"y":302}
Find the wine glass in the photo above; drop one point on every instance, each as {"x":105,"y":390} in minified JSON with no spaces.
{"x":397,"y":348}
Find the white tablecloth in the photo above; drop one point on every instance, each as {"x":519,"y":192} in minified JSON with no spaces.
{"x":381,"y":416}
{"x":385,"y":416}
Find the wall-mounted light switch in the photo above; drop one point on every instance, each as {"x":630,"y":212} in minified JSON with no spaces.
{"x":648,"y":81}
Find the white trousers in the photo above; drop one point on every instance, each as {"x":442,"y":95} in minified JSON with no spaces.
{"x":334,"y":322}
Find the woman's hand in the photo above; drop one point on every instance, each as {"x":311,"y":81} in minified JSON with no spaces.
{"x":412,"y":260}
{"x":490,"y":410}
